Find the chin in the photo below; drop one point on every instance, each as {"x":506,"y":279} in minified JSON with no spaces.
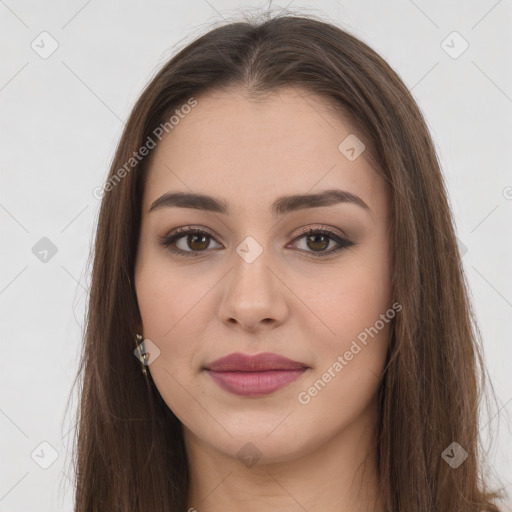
{"x":261,"y":441}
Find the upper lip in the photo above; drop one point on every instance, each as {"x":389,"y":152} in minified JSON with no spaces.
{"x":259,"y":362}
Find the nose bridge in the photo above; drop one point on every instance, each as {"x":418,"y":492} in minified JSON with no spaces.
{"x":253,"y":293}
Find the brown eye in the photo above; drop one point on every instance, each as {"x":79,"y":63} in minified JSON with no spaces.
{"x":187,"y":242}
{"x":197,"y":242}
{"x":194,"y":242}
{"x":318,"y":242}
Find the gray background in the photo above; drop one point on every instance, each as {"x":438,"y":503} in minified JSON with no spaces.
{"x":62,"y":116}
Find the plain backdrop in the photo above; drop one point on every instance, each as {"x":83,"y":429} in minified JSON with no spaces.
{"x":70,"y":74}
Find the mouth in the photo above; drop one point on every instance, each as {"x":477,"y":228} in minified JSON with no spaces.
{"x":255,"y":383}
{"x":257,"y":375}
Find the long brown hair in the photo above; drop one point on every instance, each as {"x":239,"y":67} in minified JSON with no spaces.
{"x":130,"y":454}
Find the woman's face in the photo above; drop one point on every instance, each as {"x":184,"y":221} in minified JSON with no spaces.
{"x":253,"y":281}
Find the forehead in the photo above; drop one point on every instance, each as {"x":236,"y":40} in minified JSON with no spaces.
{"x":230,"y":144}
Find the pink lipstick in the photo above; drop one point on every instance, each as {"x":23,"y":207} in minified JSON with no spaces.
{"x":254,"y":375}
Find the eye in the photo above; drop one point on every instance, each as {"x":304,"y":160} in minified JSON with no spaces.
{"x":319,"y":240}
{"x":194,"y":241}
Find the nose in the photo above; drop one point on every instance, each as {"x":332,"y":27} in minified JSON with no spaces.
{"x":254,"y":296}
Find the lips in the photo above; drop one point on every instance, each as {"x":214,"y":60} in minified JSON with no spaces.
{"x":254,"y":375}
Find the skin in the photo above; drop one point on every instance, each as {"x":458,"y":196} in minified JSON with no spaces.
{"x":289,"y":301}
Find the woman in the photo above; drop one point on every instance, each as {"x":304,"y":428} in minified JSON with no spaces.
{"x":276,"y":249}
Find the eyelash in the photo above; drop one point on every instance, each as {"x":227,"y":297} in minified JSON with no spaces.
{"x":179,"y":233}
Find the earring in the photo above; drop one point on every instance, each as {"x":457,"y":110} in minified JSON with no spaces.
{"x":142,"y":353}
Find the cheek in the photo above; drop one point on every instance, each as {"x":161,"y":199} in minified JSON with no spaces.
{"x":166,"y":301}
{"x":355,"y":308}
{"x":166,"y":296}
{"x":351,"y":299}
{"x":351,"y":355}
{"x":170,"y":308}
{"x":175,"y":306}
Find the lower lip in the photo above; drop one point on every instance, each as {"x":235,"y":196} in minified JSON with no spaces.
{"x":255,"y":383}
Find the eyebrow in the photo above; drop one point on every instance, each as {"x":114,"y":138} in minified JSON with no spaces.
{"x":282,"y":205}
